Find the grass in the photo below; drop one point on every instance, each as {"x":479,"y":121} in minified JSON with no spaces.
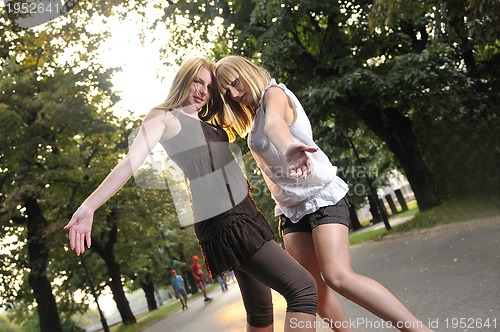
{"x":456,"y":210}
{"x":367,"y":236}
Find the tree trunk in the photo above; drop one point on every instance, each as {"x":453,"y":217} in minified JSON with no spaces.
{"x":355,"y":224}
{"x":376,"y":217}
{"x":148,"y":287}
{"x":401,"y":200}
{"x":395,"y":130}
{"x":106,"y":253}
{"x":38,"y":259}
{"x":119,"y":295}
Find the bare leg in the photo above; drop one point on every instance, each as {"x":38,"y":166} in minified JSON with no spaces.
{"x":338,"y":274}
{"x":202,"y":287}
{"x":300,"y":246}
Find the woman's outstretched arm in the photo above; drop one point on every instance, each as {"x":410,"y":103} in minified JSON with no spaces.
{"x":80,"y":225}
{"x":279,"y":113}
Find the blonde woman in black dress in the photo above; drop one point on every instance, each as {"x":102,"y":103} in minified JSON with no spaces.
{"x":232,"y":232}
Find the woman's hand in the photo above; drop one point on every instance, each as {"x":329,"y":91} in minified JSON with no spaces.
{"x":299,"y":163}
{"x":79,"y":228}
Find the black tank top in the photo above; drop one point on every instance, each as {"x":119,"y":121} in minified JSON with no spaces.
{"x":215,"y":181}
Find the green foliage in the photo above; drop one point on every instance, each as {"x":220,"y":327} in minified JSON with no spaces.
{"x":6,"y":325}
{"x":45,"y":116}
{"x":61,"y":140}
{"x":31,"y":324}
{"x":354,"y":63}
{"x":450,"y":211}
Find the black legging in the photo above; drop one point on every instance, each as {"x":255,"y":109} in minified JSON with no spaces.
{"x":272,"y":267}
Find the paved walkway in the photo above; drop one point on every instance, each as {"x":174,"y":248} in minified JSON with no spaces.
{"x":448,"y":276}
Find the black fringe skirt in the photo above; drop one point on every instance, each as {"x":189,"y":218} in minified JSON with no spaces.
{"x":233,"y":237}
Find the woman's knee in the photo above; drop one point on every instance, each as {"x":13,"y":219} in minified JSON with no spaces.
{"x":304,"y":295}
{"x":260,"y":316}
{"x":257,"y":299}
{"x":337,"y":279}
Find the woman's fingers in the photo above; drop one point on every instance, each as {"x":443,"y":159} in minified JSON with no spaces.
{"x":298,"y":172}
{"x":88,"y":239}
{"x":80,"y":244}
{"x":71,"y":236}
{"x":310,"y":148}
{"x":300,"y":164}
{"x":305,"y":171}
{"x":77,"y":243}
{"x":310,"y":166}
{"x":77,"y":239}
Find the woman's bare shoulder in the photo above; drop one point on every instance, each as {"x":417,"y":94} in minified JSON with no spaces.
{"x":167,"y":118}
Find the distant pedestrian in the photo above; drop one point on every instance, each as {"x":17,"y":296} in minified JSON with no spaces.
{"x":180,"y":290}
{"x":199,"y":277}
{"x":222,"y":281}
{"x":231,"y":276}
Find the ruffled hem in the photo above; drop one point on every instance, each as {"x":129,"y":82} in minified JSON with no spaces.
{"x":232,"y":240}
{"x":330,"y":195}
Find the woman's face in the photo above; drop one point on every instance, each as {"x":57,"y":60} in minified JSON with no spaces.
{"x":239,"y":92}
{"x":201,"y":90}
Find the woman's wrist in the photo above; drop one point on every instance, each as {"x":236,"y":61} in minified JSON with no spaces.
{"x":88,"y":206}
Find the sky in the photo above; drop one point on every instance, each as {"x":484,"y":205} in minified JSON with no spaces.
{"x":139,"y":83}
{"x":144,"y":80}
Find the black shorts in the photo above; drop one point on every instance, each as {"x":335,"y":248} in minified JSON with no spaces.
{"x":331,"y":214}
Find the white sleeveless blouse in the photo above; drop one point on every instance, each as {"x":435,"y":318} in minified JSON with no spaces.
{"x":294,"y":197}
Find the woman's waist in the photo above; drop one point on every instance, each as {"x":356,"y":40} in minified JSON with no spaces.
{"x":218,"y":191}
{"x":209,"y":227}
{"x":292,"y":194}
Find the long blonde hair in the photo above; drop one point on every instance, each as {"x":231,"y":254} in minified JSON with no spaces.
{"x":237,"y":118}
{"x":181,"y":84}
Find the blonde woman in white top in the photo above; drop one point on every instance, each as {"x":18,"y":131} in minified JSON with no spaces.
{"x":311,"y":199}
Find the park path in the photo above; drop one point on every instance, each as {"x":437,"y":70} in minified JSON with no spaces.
{"x":448,"y":276}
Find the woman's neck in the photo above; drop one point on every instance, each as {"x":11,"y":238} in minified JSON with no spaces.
{"x":189,"y":111}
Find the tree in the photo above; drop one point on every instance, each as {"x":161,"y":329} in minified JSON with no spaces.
{"x":321,"y":51}
{"x":456,"y":110}
{"x":34,"y":161}
{"x":342,"y":61}
{"x":61,"y":139}
{"x":46,"y":104}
